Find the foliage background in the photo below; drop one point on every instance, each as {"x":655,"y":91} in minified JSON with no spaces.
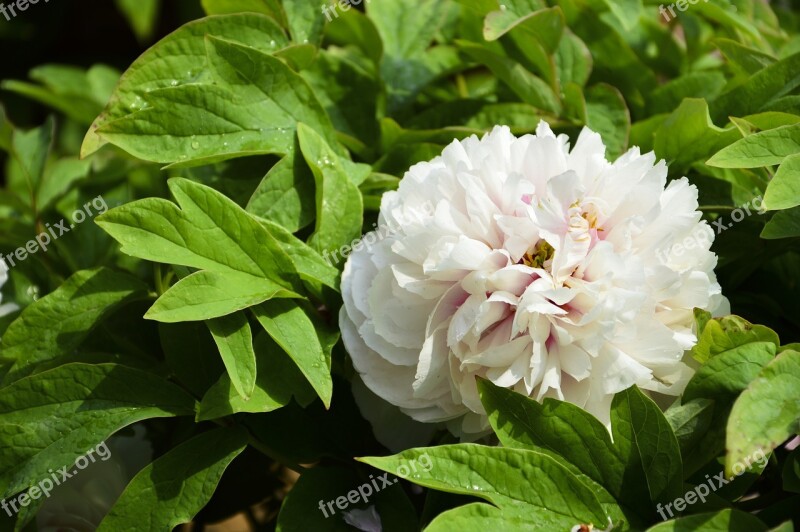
{"x":395,"y":89}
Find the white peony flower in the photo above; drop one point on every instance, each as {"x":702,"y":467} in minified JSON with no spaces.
{"x":546,"y":270}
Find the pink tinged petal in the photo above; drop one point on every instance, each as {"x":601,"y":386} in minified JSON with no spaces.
{"x":445,"y":308}
{"x":503,"y":355}
{"x":513,"y":279}
{"x":521,"y":233}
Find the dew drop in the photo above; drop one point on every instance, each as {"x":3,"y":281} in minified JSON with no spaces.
{"x":174,"y":83}
{"x":195,"y":145}
{"x":305,"y":41}
{"x":225,"y":144}
{"x":272,"y":43}
{"x":503,"y":7}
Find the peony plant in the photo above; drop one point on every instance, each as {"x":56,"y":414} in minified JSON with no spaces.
{"x":392,"y":266}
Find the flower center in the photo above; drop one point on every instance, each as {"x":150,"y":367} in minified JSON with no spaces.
{"x":539,"y":256}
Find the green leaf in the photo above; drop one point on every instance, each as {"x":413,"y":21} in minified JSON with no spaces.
{"x":30,"y":150}
{"x":688,"y":135}
{"x":271,"y":8}
{"x":607,"y":114}
{"x":704,"y":85}
{"x":305,"y":20}
{"x":759,"y":90}
{"x":304,"y":506}
{"x":174,"y":488}
{"x":277,"y":379}
{"x":234,"y":340}
{"x":59,"y":178}
{"x":730,"y":333}
{"x":196,"y":124}
{"x":339,"y":204}
{"x":529,"y":88}
{"x":729,"y":373}
{"x":783,"y":191}
{"x":785,"y":224}
{"x":178,"y":59}
{"x":747,"y":60}
{"x":50,"y":419}
{"x":554,"y":427}
{"x":57,"y":323}
{"x":727,"y":520}
{"x":142,"y":15}
{"x":646,"y":444}
{"x":286,"y":195}
{"x":517,"y":481}
{"x":310,"y":265}
{"x":761,"y":149}
{"x":767,"y":413}
{"x":573,"y":60}
{"x":544,"y":26}
{"x":689,"y":421}
{"x":292,"y":329}
{"x":407,"y":30}
{"x":208,"y":231}
{"x":206,"y":295}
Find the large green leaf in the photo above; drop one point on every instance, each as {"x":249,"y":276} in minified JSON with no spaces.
{"x":730,"y":333}
{"x":728,"y":374}
{"x":292,"y":329}
{"x":646,"y":444}
{"x":178,"y":59}
{"x":252,"y":108}
{"x":29,"y":150}
{"x":57,"y":323}
{"x":519,"y":482}
{"x":50,"y":419}
{"x":767,"y":413}
{"x":208,"y":231}
{"x":761,"y":149}
{"x":568,"y":433}
{"x":554,"y":427}
{"x":174,"y":488}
